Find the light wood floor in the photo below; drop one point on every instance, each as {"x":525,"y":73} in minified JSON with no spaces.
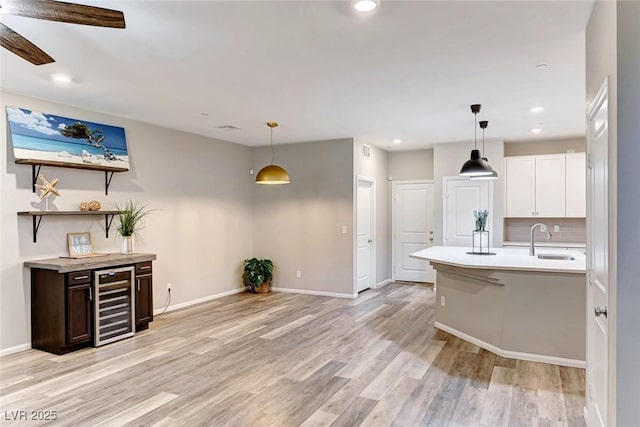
{"x":287,"y":360}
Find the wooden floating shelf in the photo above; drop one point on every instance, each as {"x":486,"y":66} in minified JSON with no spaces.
{"x":70,"y":165}
{"x":37,"y":218}
{"x":108,"y":170}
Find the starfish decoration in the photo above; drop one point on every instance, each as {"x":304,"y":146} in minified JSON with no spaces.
{"x":47,"y":186}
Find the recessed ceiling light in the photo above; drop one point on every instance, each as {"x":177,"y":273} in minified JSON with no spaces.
{"x":397,"y":141}
{"x":61,"y":78}
{"x":536,"y":109}
{"x":542,"y":66}
{"x":536,"y":130}
{"x":365,"y":5}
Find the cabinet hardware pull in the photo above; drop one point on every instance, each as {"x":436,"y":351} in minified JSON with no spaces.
{"x":81,"y":277}
{"x":90,"y":293}
{"x":145,"y":267}
{"x":138,"y":285}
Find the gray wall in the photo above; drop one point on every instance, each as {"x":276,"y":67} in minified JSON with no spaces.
{"x":628,"y":322}
{"x":411,"y":165}
{"x":376,"y":168}
{"x":448,"y":159}
{"x":298,"y":225}
{"x":552,"y":146}
{"x":201,"y":229}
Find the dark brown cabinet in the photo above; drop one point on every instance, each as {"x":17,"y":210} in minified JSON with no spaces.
{"x":61,"y":310}
{"x":79,"y":313}
{"x":63,"y":302}
{"x":144,"y":295}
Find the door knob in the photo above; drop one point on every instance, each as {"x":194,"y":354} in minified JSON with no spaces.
{"x":598,"y":311}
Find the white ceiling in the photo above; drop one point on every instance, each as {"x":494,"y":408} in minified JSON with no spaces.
{"x":410,"y":70}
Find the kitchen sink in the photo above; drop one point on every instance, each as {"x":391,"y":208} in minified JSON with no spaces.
{"x":556,"y":256}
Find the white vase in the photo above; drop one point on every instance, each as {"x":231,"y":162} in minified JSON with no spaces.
{"x":480,"y":242}
{"x":126,"y":246}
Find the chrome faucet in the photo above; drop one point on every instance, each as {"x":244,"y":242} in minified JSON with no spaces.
{"x":532,"y":249}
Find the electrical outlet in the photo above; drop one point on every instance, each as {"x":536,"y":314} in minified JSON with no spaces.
{"x":298,"y":274}
{"x":169,"y":287}
{"x":443,"y":301}
{"x":543,"y":228}
{"x":556,"y":228}
{"x":344,"y":229}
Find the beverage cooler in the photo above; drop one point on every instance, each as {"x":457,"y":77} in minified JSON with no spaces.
{"x":114,"y":305}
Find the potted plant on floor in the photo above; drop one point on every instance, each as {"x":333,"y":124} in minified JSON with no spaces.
{"x":258,"y":274}
{"x":131,"y":217}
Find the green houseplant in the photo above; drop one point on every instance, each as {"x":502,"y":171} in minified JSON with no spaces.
{"x":131,"y":220}
{"x":258,"y":274}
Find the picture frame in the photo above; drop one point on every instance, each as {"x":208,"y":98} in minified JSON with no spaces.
{"x":80,"y":245}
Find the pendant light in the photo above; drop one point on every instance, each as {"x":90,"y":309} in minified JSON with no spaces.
{"x":475,"y":166}
{"x":493,"y":174}
{"x":272,"y":174}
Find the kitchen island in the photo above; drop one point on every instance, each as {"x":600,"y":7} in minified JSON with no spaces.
{"x":513,"y":304}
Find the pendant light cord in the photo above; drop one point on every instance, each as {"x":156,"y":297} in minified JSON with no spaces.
{"x":483,"y":142}
{"x":475,"y":131}
{"x":273,"y":153}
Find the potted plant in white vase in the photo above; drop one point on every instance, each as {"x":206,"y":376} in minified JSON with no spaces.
{"x":131,"y":217}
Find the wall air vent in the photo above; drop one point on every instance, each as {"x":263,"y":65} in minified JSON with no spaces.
{"x":366,"y":151}
{"x":228,"y":127}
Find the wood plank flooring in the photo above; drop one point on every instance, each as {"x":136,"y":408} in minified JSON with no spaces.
{"x":292,"y":360}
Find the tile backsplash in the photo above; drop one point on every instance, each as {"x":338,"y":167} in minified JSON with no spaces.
{"x":572,"y":230}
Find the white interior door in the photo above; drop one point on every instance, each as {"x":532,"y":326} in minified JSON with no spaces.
{"x":598,"y":261}
{"x":461,"y":197}
{"x":412,"y":230}
{"x":365,"y":226}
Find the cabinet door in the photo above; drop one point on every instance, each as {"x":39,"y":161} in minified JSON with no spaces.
{"x":576,"y":196}
{"x":79,"y":313}
{"x":550,"y":185}
{"x":144,"y":300}
{"x":520,"y":186}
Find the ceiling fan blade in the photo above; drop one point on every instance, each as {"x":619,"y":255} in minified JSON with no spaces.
{"x":22,"y":47}
{"x":73,"y":13}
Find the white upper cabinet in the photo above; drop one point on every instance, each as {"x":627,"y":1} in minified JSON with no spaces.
{"x":576,"y":201}
{"x":520,"y":184}
{"x":551,"y":186}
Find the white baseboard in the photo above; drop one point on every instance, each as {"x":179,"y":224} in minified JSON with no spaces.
{"x":317,"y":293}
{"x":383,"y":283}
{"x":15,"y":349}
{"x":531,"y":357}
{"x":198,"y":301}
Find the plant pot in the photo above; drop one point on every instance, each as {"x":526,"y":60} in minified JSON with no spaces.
{"x":126,"y":247}
{"x":264,"y":288}
{"x":480,"y":242}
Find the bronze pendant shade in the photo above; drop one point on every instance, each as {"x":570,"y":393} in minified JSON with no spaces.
{"x":476,"y":165}
{"x":272,"y":174}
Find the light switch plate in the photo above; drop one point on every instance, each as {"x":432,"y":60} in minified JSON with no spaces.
{"x":344,"y":229}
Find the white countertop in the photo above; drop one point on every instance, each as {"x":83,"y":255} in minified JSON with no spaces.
{"x":505,"y":259}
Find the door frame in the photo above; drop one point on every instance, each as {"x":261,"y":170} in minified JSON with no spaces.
{"x":394,"y":187}
{"x":372,"y":264}
{"x":610,"y":368}
{"x":445,"y":180}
